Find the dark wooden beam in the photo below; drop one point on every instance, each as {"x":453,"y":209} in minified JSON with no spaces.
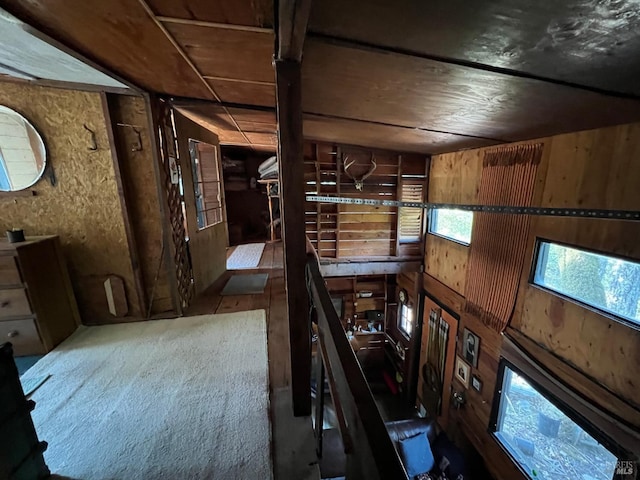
{"x":292,"y":198}
{"x":293,"y":17}
{"x":349,"y":269}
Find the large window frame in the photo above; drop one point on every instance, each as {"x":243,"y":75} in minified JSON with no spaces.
{"x":432,"y":222}
{"x":539,"y":259}
{"x":617,"y":435}
{"x":406,"y":317}
{"x":207,"y":178}
{"x":497,"y":412}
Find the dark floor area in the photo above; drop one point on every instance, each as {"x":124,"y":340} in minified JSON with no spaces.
{"x":26,"y":362}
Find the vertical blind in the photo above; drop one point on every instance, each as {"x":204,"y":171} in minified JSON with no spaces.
{"x":410,"y":223}
{"x":498,"y":242}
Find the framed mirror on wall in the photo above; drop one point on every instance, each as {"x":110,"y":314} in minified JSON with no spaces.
{"x":23,"y":157}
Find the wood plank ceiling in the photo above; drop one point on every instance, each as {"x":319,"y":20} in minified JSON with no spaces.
{"x":427,"y":77}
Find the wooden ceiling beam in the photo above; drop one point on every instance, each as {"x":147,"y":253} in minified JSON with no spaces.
{"x":225,"y":26}
{"x":293,"y":18}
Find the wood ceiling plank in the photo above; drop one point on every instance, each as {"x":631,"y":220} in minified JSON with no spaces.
{"x":387,"y":137}
{"x":118,"y":34}
{"x":266,"y":118}
{"x":588,"y":42}
{"x":245,"y":93}
{"x":409,"y":91}
{"x":227,"y":53}
{"x":263,"y":139}
{"x":257,"y":13}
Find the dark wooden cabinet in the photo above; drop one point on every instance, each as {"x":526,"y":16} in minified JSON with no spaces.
{"x":20,"y":450}
{"x":37,"y":307}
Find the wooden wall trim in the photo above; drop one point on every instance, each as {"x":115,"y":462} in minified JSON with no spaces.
{"x":444,"y":294}
{"x":225,"y":26}
{"x":620,"y":432}
{"x":116,"y":146}
{"x":576,"y":379}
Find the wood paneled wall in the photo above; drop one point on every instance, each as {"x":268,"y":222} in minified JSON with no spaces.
{"x":590,"y":169}
{"x":83,"y":208}
{"x":351,"y":231}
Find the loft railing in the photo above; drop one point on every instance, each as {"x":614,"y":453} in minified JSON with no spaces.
{"x":369,"y":449}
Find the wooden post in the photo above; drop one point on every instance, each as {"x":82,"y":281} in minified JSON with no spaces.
{"x":292,"y":198}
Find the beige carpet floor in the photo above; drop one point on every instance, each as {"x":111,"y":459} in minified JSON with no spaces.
{"x":168,"y":399}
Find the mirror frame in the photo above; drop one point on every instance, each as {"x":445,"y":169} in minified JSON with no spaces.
{"x":45,"y":153}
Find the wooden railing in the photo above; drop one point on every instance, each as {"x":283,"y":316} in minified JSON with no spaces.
{"x":368,"y":447}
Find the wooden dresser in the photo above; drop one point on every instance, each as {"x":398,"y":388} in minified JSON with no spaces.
{"x":37,"y":306}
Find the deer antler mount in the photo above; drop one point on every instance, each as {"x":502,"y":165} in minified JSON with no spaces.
{"x":358,"y":182}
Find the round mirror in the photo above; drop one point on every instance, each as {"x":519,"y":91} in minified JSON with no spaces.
{"x":22,"y":153}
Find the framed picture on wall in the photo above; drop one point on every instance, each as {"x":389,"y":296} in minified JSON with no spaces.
{"x":470,"y":346}
{"x":463,"y":371}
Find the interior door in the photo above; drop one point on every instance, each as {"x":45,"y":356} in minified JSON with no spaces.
{"x":445,"y":373}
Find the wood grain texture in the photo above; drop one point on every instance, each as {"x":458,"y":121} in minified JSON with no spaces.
{"x":455,"y":177}
{"x":227,"y":53}
{"x":14,"y":303}
{"x":207,"y":246}
{"x":83,"y":208}
{"x":592,"y":169}
{"x":258,"y":13}
{"x":291,"y":174}
{"x":367,"y":84}
{"x":366,"y":134}
{"x":244,"y":93}
{"x":48,"y":298}
{"x":143,"y":202}
{"x":23,"y":335}
{"x":550,"y":39}
{"x":119,"y":35}
{"x":9,"y":273}
{"x":446,"y":261}
{"x":443,"y":417}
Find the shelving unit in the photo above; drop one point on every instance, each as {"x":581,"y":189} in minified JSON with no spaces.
{"x":355,"y":305}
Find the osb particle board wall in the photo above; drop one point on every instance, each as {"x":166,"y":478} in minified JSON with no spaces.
{"x":83,"y":208}
{"x":142,"y":196}
{"x":591,"y":169}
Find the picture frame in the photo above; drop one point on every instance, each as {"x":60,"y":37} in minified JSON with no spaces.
{"x":462,"y":371}
{"x":476,"y":383}
{"x":470,"y":347}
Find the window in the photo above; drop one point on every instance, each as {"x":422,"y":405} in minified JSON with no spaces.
{"x":607,"y":283}
{"x":206,"y":183}
{"x":541,"y":438}
{"x":406,"y":319}
{"x":452,"y":224}
{"x":410,"y":218}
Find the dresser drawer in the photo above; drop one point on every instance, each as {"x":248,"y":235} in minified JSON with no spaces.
{"x":9,"y":273}
{"x":23,"y":335}
{"x":14,"y":303}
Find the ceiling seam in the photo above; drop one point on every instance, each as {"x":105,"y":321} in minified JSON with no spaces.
{"x":189,"y":62}
{"x":224,"y":26}
{"x":363,"y":45}
{"x":261,"y":108}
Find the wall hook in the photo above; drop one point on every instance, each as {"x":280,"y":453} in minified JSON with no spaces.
{"x":94,"y":143}
{"x":137,"y":145}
